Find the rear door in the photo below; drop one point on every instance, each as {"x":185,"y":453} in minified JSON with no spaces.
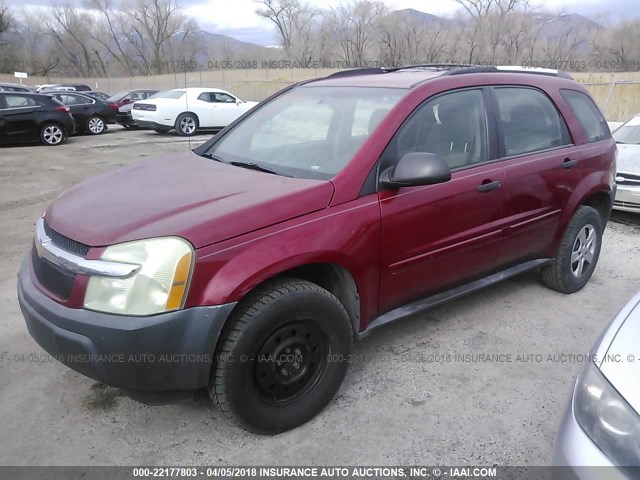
{"x":541,"y":164}
{"x":81,"y":107}
{"x":436,"y":236}
{"x":20,"y":116}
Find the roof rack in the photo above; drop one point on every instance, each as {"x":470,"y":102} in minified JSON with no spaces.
{"x":432,"y":66}
{"x":380,"y":70}
{"x":452,"y":69}
{"x":511,"y":69}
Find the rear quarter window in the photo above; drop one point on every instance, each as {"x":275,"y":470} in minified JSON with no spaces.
{"x":588,"y":115}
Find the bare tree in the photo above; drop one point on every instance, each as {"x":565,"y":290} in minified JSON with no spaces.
{"x":109,"y":32}
{"x":6,"y":20}
{"x":406,"y":40}
{"x":69,"y":29}
{"x":153,"y":23}
{"x":39,"y":55}
{"x":282,"y":13}
{"x":357,"y":26}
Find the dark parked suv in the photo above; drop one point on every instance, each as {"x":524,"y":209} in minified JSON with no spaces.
{"x":250,"y":265}
{"x":28,"y":117}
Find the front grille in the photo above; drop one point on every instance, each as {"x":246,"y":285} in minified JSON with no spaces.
{"x":66,"y":243}
{"x":628,"y":179}
{"x":618,"y":203}
{"x":52,"y":277}
{"x":144,"y":106}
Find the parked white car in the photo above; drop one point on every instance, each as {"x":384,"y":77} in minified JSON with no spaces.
{"x":189,"y":110}
{"x":628,"y":177}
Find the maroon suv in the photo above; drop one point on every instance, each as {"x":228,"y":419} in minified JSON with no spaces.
{"x":249,"y":265}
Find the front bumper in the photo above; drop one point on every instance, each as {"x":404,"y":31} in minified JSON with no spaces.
{"x":161,"y":353}
{"x":576,"y":457}
{"x":627,"y":199}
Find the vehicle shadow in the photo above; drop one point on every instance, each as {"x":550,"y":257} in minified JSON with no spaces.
{"x":626,"y":218}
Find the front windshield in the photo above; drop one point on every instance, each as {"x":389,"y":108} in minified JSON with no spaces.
{"x":308,"y":132}
{"x":629,"y":132}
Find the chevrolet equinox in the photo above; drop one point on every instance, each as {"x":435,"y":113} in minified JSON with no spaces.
{"x":249,"y":265}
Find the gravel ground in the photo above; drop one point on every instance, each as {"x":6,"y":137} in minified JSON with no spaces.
{"x":405,"y":402}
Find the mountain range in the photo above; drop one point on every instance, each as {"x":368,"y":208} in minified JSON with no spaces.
{"x":554,"y":26}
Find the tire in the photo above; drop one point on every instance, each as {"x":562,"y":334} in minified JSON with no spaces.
{"x":578,"y":254}
{"x":187,"y":124}
{"x":95,"y":125}
{"x":52,"y":134}
{"x":294,"y":322}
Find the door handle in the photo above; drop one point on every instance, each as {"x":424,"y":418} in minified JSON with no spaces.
{"x":568,"y":163}
{"x":488,"y":186}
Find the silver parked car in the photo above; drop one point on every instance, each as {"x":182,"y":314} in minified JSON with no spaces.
{"x":601,"y":426}
{"x":628,"y":178}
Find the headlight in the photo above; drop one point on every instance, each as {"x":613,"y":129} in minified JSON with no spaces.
{"x":607,"y":418}
{"x":159,"y":285}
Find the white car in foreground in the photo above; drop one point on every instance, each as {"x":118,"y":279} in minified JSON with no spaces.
{"x":189,"y":110}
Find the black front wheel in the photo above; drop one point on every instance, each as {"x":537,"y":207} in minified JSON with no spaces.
{"x":283,"y":356}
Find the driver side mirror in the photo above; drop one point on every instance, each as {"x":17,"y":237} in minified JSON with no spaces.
{"x":416,"y":169}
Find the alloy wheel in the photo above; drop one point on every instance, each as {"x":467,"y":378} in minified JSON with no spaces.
{"x":188,"y":125}
{"x":52,"y":134}
{"x":96,"y":125}
{"x":583,"y":251}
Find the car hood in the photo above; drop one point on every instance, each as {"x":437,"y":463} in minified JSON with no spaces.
{"x":628,"y":160}
{"x":621,"y":365}
{"x":186,"y":195}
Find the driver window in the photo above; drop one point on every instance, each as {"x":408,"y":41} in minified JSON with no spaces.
{"x":223,"y":98}
{"x":452,"y":125}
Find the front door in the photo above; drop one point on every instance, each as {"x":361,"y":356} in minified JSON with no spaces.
{"x":19,"y":117}
{"x":436,"y":236}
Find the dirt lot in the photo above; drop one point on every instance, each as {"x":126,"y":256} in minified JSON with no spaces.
{"x":397,"y":406}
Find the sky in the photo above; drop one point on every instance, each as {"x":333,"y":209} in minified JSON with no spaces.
{"x":237,"y":18}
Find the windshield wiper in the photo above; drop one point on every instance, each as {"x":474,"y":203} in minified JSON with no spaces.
{"x":254,"y":166}
{"x":212,"y":156}
{"x":247,"y":165}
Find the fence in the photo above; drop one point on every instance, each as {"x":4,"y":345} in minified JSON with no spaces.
{"x":617,"y":94}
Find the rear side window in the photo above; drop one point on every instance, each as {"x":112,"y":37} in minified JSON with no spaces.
{"x":589,"y":117}
{"x":530,"y":121}
{"x":20,"y":101}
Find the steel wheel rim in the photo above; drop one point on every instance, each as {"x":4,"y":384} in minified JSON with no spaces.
{"x":188,"y":125}
{"x":52,"y":135}
{"x":583,"y":251}
{"x":96,"y":125}
{"x":291,"y":361}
